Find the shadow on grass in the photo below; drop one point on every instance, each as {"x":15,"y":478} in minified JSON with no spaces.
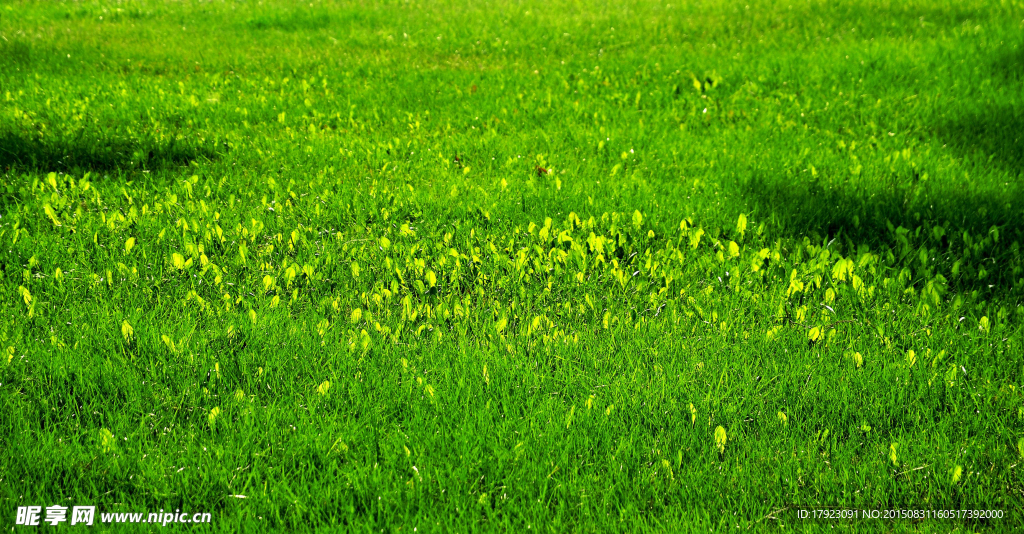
{"x":1008,"y":67}
{"x":992,"y":137}
{"x":298,"y":20}
{"x":932,"y":216}
{"x":88,"y":153}
{"x":15,"y":53}
{"x":864,"y":216}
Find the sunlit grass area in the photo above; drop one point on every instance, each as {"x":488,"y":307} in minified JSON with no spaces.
{"x":521,"y":266}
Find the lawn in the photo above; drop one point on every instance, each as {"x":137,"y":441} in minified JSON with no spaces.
{"x":555,"y":266}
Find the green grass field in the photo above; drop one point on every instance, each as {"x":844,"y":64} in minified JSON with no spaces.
{"x":558,"y":266}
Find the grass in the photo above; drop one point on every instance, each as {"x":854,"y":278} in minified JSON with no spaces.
{"x":553,"y":266}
